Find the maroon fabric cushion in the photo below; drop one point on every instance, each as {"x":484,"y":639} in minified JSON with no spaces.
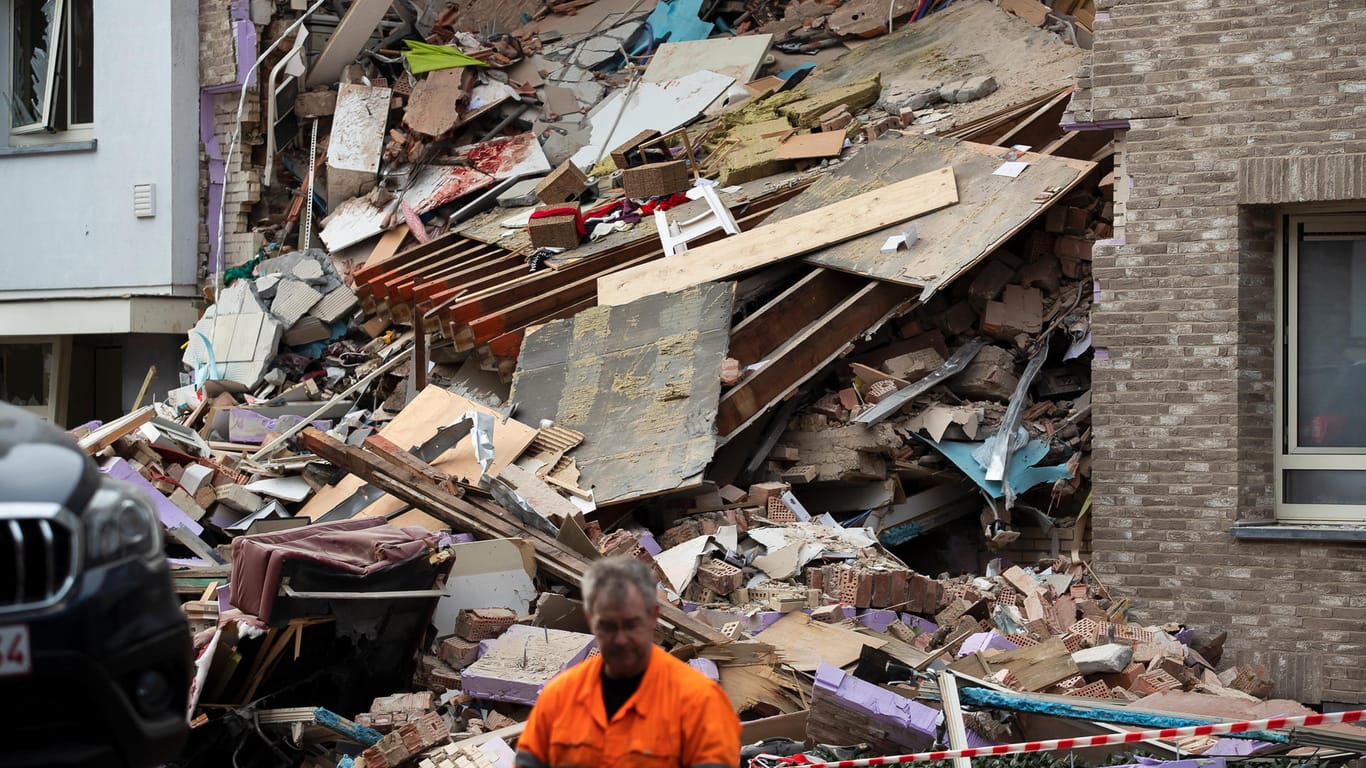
{"x":359,"y":546}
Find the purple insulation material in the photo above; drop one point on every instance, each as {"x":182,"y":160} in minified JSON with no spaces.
{"x":170,"y":515}
{"x":1237,"y":748}
{"x":761,"y":621}
{"x":983,"y":641}
{"x":919,"y":624}
{"x":648,"y":543}
{"x":214,"y":152}
{"x":906,"y":721}
{"x":502,"y":672}
{"x":706,"y":667}
{"x":877,"y":620}
{"x":1193,"y":763}
{"x":1148,"y":762}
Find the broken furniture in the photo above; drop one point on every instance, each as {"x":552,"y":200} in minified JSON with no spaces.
{"x":674,"y":235}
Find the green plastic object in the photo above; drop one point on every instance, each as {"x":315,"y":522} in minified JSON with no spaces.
{"x":425,"y":57}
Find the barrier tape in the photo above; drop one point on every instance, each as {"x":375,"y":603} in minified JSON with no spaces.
{"x":1211,"y":729}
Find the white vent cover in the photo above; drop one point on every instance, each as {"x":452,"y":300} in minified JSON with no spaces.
{"x":144,"y":200}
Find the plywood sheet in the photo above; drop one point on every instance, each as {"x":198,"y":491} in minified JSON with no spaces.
{"x":650,"y":106}
{"x":836,"y":219}
{"x":739,"y":57}
{"x":952,"y":240}
{"x":810,"y":145}
{"x":804,"y":644}
{"x":640,"y":381}
{"x":432,"y":409}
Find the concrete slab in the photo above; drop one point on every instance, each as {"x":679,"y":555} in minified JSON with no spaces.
{"x":517,"y":665}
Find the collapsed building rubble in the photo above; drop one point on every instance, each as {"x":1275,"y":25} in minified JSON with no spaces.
{"x":813,"y":341}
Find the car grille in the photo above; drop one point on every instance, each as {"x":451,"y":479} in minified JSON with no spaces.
{"x":37,"y":561}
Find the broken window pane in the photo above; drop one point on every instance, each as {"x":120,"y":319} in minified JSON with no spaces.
{"x":35,"y":26}
{"x":25,"y":373}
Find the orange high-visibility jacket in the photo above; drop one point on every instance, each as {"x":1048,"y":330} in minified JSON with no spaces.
{"x":676,"y":718}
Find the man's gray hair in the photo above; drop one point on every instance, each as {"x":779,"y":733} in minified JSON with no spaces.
{"x":610,"y":577}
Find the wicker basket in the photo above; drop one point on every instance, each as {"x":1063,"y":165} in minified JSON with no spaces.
{"x":655,"y":179}
{"x":554,"y":231}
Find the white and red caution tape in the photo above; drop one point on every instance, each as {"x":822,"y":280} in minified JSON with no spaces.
{"x":1210,"y":729}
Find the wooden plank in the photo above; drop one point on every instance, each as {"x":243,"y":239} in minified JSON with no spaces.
{"x":640,"y":381}
{"x":1037,"y":666}
{"x":483,"y":519}
{"x":990,"y":208}
{"x":107,"y":434}
{"x":813,"y":295}
{"x":812,"y":145}
{"x":419,"y":420}
{"x":804,"y":644}
{"x":807,"y":352}
{"x":801,"y":234}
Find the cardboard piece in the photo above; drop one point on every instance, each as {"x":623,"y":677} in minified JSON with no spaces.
{"x":805,"y":645}
{"x":419,"y":420}
{"x":812,"y":145}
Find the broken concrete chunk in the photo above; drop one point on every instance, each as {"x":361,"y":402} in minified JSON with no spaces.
{"x":293,"y":299}
{"x":913,"y":365}
{"x":517,"y":665}
{"x":315,"y":103}
{"x":962,"y":91}
{"x":357,"y":143}
{"x":1108,"y":658}
{"x":990,"y":376}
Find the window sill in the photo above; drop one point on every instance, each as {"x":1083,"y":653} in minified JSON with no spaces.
{"x":46,"y":149}
{"x":1298,"y":532}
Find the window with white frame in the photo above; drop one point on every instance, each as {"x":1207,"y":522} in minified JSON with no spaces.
{"x":1321,"y":367}
{"x":51,"y":68}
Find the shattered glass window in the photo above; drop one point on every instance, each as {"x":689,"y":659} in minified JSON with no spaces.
{"x":35,"y":25}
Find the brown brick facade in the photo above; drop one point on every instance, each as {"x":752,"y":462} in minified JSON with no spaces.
{"x":1224,"y":101}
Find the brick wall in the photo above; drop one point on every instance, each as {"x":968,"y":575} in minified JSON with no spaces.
{"x":218,"y":69}
{"x":1183,"y":401}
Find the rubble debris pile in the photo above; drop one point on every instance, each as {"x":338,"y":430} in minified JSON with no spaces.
{"x":797,"y":316}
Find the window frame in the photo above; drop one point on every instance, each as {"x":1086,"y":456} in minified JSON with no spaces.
{"x":54,"y":410}
{"x":1288,"y":454}
{"x":60,"y":71}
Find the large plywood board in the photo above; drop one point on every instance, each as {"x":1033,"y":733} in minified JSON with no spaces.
{"x":649,"y":106}
{"x":835,"y":220}
{"x":419,"y":420}
{"x":952,"y":240}
{"x":640,"y":381}
{"x":738,"y":57}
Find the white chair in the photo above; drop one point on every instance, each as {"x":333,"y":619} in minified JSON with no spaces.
{"x":674,"y":235}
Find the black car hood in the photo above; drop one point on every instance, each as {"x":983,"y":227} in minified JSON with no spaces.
{"x":41,"y":463}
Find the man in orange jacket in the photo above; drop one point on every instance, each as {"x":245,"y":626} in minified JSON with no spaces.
{"x":634,"y":705}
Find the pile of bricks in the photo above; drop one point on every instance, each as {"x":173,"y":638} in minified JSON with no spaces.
{"x":390,"y":712}
{"x":408,"y":742}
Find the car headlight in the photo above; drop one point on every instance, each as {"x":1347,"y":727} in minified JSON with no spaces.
{"x":120,"y":523}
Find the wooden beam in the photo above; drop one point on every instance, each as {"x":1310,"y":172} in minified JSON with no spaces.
{"x":808,"y":352}
{"x":106,"y":435}
{"x":791,"y":237}
{"x":480,"y":518}
{"x":812,"y":296}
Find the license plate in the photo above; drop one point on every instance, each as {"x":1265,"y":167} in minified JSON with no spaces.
{"x":16,"y":657}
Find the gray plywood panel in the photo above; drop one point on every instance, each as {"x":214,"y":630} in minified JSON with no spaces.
{"x":641,"y":381}
{"x":951,"y":240}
